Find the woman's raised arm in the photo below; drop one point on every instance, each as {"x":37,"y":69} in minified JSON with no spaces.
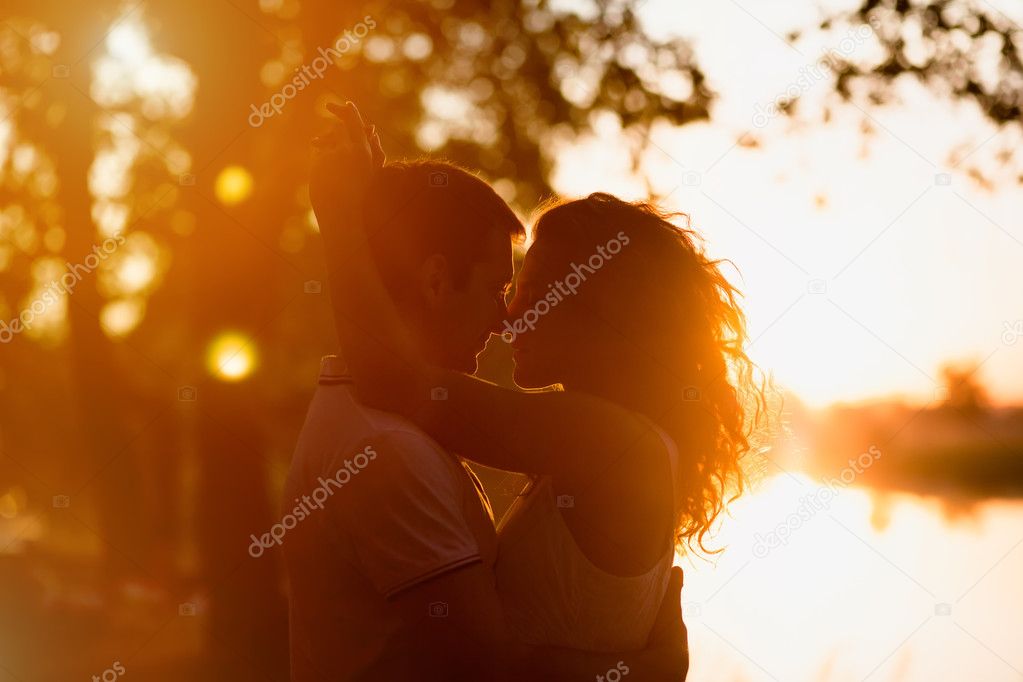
{"x":375,"y":343}
{"x":569,"y":435}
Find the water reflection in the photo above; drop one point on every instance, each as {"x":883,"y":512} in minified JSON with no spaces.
{"x":870,"y":586}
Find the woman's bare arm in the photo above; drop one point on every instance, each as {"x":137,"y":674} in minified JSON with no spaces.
{"x":568,"y":435}
{"x":572,"y":436}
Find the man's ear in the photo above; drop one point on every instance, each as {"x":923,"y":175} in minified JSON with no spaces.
{"x":435,"y":280}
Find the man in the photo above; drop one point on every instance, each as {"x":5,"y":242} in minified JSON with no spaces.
{"x":390,"y":564}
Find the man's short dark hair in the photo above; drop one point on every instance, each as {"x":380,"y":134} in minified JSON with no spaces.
{"x":415,"y":209}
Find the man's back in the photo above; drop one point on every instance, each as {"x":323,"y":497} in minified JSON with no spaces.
{"x":375,"y":507}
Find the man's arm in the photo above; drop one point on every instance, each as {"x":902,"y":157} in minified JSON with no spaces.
{"x":454,"y":629}
{"x":665,"y":658}
{"x":472,"y":636}
{"x":530,"y":429}
{"x":403,"y":515}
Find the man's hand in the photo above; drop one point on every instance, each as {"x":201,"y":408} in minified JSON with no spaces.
{"x":344,"y":162}
{"x":668,"y":647}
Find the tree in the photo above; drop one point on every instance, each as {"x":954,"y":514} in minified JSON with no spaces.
{"x":964,"y":392}
{"x":944,"y":44}
{"x":217,"y":193}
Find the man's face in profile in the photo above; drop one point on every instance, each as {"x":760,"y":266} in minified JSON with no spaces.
{"x":465,"y":316}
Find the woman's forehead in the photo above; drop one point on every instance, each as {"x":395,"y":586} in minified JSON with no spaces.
{"x":536,"y":259}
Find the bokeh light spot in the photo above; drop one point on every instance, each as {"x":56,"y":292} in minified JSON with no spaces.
{"x":128,"y":41}
{"x":231,"y":357}
{"x":120,"y":318}
{"x":233,"y":185}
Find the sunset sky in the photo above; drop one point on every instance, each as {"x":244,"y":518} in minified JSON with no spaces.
{"x":874,"y":244}
{"x":915,"y":272}
{"x":873,"y":248}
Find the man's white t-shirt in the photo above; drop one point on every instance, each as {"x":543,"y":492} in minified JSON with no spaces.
{"x":377,"y":506}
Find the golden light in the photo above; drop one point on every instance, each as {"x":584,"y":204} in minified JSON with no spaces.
{"x":54,"y":238}
{"x":43,"y":310}
{"x":8,"y":510}
{"x":163,"y":85}
{"x":119,"y":318}
{"x":128,"y":41}
{"x":136,"y":272}
{"x":231,"y":357}
{"x":233,"y":185}
{"x":12,"y":503}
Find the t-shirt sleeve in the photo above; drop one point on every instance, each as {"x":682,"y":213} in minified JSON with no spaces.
{"x":405,"y":515}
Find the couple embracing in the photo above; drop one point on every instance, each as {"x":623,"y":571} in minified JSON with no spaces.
{"x":634,"y":416}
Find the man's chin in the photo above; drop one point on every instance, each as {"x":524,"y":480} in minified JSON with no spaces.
{"x":524,"y":377}
{"x":469,"y":366}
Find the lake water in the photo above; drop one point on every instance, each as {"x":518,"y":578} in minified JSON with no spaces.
{"x":853,"y":585}
{"x":842,"y":585}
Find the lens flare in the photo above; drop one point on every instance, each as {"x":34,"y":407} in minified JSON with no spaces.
{"x":233,"y":185}
{"x":128,"y":42}
{"x":231,"y":357}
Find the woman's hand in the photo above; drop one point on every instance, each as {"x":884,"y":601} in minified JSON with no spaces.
{"x":345,"y":160}
{"x":373,"y":337}
{"x":667,"y":652}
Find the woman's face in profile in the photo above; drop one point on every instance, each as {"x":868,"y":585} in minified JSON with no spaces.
{"x":543,"y":335}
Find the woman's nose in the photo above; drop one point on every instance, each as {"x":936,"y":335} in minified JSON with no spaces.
{"x":515,"y":308}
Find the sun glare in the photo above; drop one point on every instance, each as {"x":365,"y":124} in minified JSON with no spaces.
{"x":120,"y":318}
{"x":136,"y":272}
{"x":231,"y":357}
{"x":233,"y":185}
{"x":128,"y":42}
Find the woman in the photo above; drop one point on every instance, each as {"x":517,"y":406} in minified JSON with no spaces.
{"x":631,"y":458}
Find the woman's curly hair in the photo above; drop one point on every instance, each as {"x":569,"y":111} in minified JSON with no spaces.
{"x":663,"y":293}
